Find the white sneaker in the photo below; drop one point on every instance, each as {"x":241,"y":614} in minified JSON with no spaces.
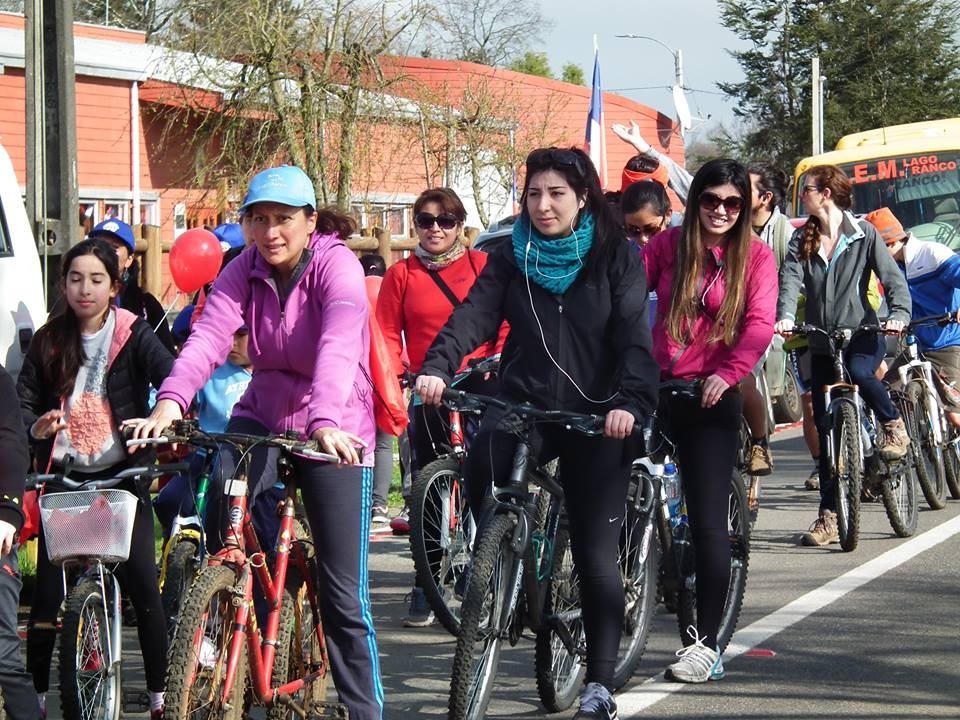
{"x":697,"y":663}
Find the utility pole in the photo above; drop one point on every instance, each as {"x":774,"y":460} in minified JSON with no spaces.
{"x":52,"y":202}
{"x":816,"y":102}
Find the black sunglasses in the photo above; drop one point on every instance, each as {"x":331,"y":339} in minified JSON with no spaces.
{"x":710,"y":201}
{"x":645,"y":231}
{"x":425,"y":221}
{"x":553,"y":157}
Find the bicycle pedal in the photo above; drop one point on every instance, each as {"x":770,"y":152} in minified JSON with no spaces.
{"x":325,"y":710}
{"x":135,"y":701}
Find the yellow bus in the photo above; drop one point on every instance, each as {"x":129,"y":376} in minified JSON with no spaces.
{"x":911,"y":169}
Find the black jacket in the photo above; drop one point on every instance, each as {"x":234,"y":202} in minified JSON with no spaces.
{"x":597,"y":332}
{"x":14,"y":457}
{"x":140,"y":362}
{"x":146,"y":306}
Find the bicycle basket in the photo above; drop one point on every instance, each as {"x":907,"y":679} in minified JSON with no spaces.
{"x":88,"y":523}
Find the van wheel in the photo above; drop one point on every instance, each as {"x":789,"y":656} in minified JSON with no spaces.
{"x":789,"y":406}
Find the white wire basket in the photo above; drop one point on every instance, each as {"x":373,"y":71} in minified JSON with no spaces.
{"x":88,"y":523}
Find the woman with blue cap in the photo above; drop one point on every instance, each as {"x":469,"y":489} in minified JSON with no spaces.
{"x":301,"y":293}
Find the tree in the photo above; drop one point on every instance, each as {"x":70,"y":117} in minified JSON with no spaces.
{"x":533,"y":63}
{"x":886,"y":62}
{"x":572,"y":73}
{"x":150,"y":16}
{"x":490,"y":32}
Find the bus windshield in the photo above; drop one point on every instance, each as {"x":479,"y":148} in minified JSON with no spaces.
{"x":922,"y":190}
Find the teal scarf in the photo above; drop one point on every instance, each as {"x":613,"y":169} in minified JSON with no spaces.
{"x":552,"y":263}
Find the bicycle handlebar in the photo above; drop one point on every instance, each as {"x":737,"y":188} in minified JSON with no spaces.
{"x":36,"y":480}
{"x":942,"y":320}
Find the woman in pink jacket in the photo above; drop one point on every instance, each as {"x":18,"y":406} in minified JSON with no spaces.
{"x":717,"y":286}
{"x":301,"y":293}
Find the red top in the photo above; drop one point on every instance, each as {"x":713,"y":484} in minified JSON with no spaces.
{"x":412,"y":303}
{"x":700,"y":359}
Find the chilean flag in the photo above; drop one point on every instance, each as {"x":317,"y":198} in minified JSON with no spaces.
{"x":596,"y":145}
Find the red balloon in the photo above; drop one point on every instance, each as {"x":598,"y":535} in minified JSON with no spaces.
{"x":195,"y":259}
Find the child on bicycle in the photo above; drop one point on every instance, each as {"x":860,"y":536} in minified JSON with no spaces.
{"x":86,"y":371}
{"x":717,"y":287}
{"x":830,"y":259}
{"x":20,"y":700}
{"x":573,"y":291}
{"x":301,"y":294}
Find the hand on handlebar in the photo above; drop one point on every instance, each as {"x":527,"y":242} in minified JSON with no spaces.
{"x":7,"y":533}
{"x":894,"y":327}
{"x":618,"y":424}
{"x":163,"y":415}
{"x":783,"y":327}
{"x":712,"y":390}
{"x":430,"y":389}
{"x":340,"y":443}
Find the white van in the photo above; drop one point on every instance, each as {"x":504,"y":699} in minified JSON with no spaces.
{"x":22,"y":309}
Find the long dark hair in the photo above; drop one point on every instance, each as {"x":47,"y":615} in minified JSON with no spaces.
{"x":841,"y":192}
{"x":575,"y":166}
{"x":333,"y":221}
{"x":688,"y":268}
{"x":60,"y":343}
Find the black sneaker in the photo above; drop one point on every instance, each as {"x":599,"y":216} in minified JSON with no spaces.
{"x":596,"y":703}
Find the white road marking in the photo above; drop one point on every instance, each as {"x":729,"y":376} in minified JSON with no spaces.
{"x":655,"y":689}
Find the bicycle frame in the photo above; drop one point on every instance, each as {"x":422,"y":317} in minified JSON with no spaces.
{"x":920,"y":369}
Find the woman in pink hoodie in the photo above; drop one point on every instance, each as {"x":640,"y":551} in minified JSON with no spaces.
{"x":717,"y":290}
{"x":301,"y":293}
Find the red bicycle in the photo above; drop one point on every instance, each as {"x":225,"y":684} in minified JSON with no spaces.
{"x":218,"y":645}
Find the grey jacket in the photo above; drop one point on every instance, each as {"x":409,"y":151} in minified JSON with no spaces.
{"x":837,"y":293}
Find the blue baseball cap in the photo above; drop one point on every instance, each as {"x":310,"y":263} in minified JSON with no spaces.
{"x":230,"y":235}
{"x":287,"y":185}
{"x":117,"y":229}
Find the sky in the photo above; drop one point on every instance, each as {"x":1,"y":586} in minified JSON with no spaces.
{"x":692,"y":26}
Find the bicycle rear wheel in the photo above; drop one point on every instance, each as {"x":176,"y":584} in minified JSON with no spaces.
{"x":849,"y":472}
{"x":559,"y":671}
{"x":931,"y":472}
{"x":440,"y":537}
{"x":489,"y":593}
{"x":951,"y":461}
{"x":200,"y":650}
{"x":89,"y":688}
{"x":739,"y":531}
{"x":638,"y":568}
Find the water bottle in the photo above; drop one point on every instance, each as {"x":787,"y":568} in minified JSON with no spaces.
{"x":671,"y":489}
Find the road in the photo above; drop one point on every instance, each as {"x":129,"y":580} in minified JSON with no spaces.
{"x":871,"y":634}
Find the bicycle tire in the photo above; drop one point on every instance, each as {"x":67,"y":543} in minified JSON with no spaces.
{"x":88,"y":688}
{"x":559,"y":673}
{"x":739,"y":532}
{"x":182,"y":568}
{"x":899,"y":486}
{"x":299,"y":652}
{"x":639,"y":562}
{"x":478,"y":648}
{"x":439,"y":538}
{"x":951,"y":463}
{"x":931,"y":472}
{"x":196,"y":670}
{"x":849,"y":474}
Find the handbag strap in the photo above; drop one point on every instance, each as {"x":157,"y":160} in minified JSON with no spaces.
{"x":444,"y":288}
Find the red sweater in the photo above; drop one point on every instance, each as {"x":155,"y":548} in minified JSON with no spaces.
{"x":411,"y":303}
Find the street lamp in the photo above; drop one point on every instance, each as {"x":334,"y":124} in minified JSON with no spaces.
{"x":679,"y":99}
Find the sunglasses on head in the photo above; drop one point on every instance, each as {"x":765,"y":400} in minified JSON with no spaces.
{"x":711,"y":201}
{"x":425,"y":221}
{"x":553,"y":157}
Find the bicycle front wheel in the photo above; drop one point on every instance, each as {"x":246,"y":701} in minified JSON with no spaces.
{"x":899,"y":486}
{"x":182,"y":564}
{"x":738,"y":527}
{"x":489,"y":593}
{"x":560,"y":670}
{"x":200,"y":652}
{"x":931,"y":471}
{"x":89,"y":687}
{"x":440,"y":537}
{"x":849,"y":472}
{"x":951,"y":461}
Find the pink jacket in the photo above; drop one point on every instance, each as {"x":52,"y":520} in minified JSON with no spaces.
{"x":700,"y":359}
{"x":310,"y":358}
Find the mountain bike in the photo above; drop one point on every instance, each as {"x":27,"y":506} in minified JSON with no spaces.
{"x":219,"y":647}
{"x":442,"y":528}
{"x":87,"y":528}
{"x":522,"y":575}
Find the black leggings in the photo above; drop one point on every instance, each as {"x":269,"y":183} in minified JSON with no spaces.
{"x":706,"y":440}
{"x":595,"y":473}
{"x":138,"y":580}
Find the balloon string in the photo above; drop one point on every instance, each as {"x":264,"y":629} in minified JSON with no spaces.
{"x":167,"y":311}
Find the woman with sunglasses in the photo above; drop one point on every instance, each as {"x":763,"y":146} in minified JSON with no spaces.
{"x":717,"y":286}
{"x":646,"y":211}
{"x":575,"y":296}
{"x":417,"y":296}
{"x":831,"y":259}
